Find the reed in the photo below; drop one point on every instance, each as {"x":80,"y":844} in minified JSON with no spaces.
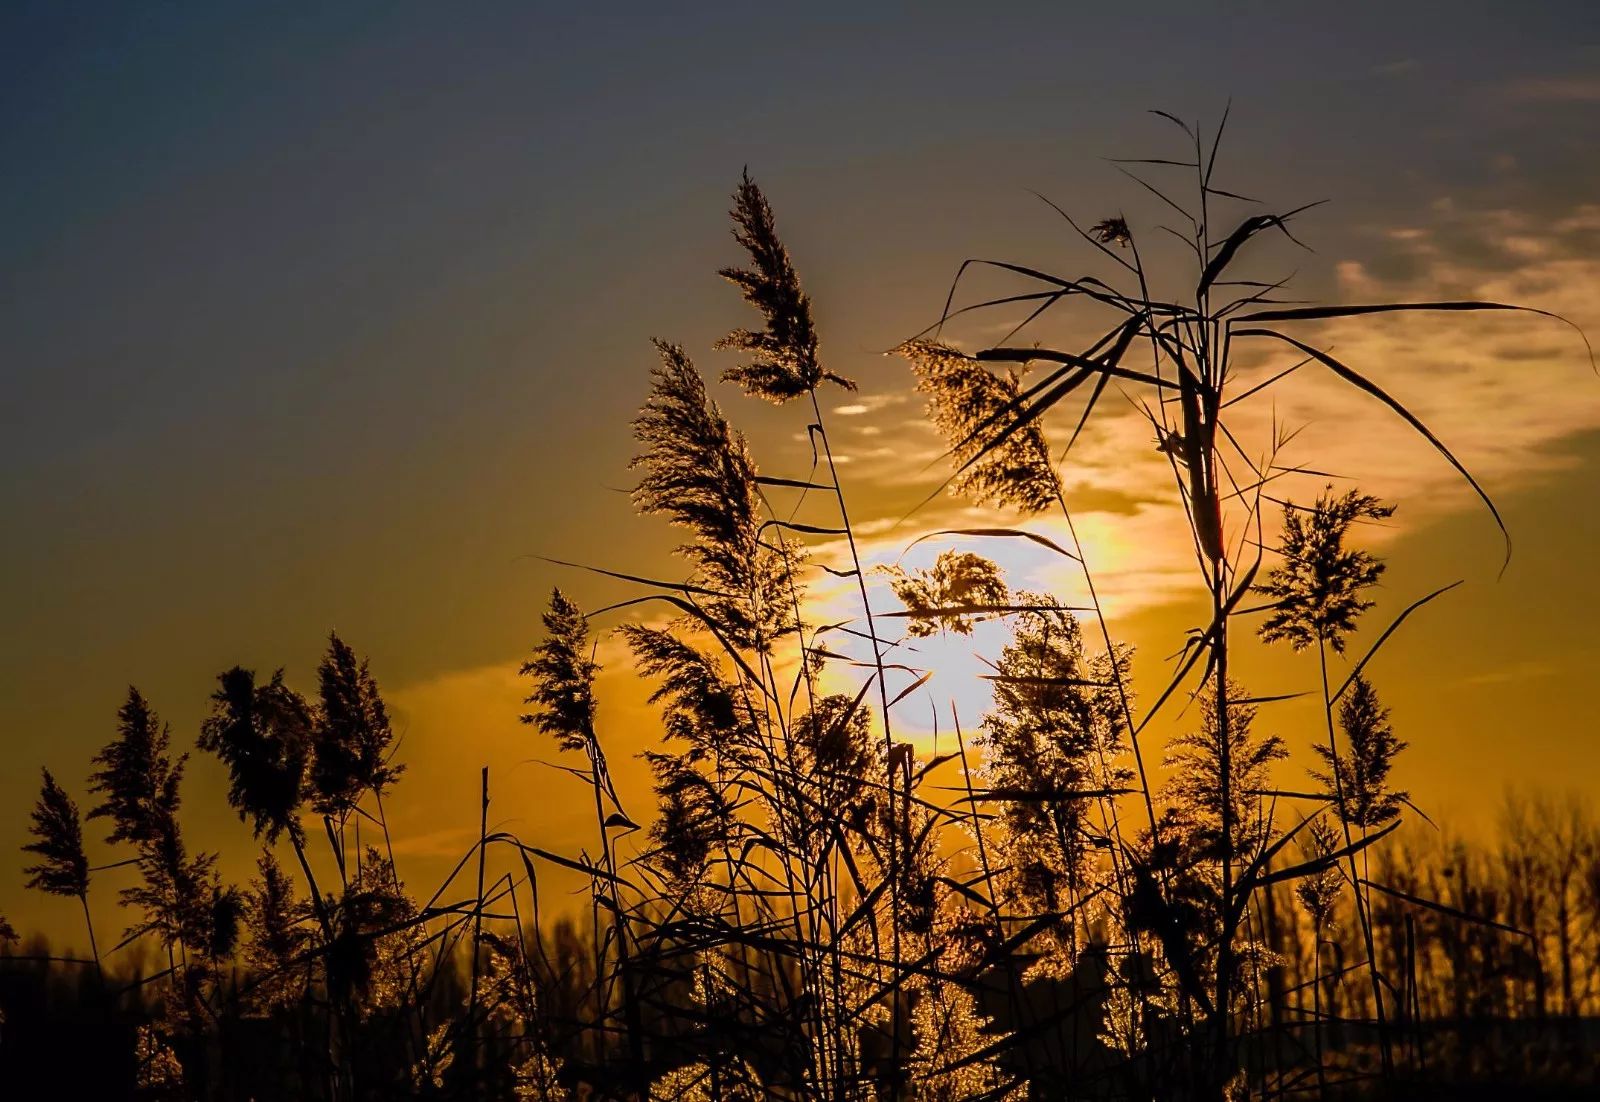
{"x":813,"y":909}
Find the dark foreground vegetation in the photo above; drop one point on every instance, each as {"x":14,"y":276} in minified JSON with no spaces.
{"x":1060,"y":910}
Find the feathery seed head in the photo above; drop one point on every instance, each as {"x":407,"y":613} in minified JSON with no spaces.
{"x":997,"y":462}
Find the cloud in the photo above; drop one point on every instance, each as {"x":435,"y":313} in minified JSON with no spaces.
{"x":1515,"y":672}
{"x":1556,"y":89}
{"x":1397,"y":68}
{"x":1501,"y":390}
{"x":863,"y":404}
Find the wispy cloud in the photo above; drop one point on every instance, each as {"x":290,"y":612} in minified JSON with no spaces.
{"x":1515,"y":672}
{"x":1500,"y":390}
{"x":1555,"y":89}
{"x":1398,"y":67}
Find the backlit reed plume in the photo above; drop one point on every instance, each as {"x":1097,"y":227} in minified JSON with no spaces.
{"x":1370,"y":747}
{"x":1199,"y":800}
{"x":1050,"y":747}
{"x":350,"y":734}
{"x":839,"y":760}
{"x":1318,"y":896}
{"x":63,"y":867}
{"x":279,"y":936}
{"x":137,"y":777}
{"x":699,"y":474}
{"x":139,"y":785}
{"x":783,"y":356}
{"x":263,"y":735}
{"x":1319,"y":588}
{"x":57,"y":842}
{"x":563,"y":675}
{"x":959,"y":590}
{"x":371,"y":961}
{"x":1318,"y":893}
{"x":700,"y":707}
{"x":693,"y":820}
{"x":1000,"y":458}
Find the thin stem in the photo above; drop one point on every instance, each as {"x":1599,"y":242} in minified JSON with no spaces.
{"x":1362,"y":914}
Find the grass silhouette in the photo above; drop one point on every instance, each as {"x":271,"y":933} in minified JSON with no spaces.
{"x":803,"y":913}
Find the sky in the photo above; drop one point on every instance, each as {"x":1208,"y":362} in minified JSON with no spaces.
{"x":333,"y":318}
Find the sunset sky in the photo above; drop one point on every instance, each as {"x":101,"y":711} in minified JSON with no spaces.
{"x":335,"y":320}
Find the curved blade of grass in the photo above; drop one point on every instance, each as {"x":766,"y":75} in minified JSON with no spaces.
{"x":677,"y":587}
{"x":1362,"y":383}
{"x":1000,"y":533}
{"x":1236,"y":240}
{"x":1446,"y":909}
{"x":1324,"y":313}
{"x":1384,"y":638}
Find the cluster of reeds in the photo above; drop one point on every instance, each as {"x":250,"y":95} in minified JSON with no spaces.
{"x":810,"y":916}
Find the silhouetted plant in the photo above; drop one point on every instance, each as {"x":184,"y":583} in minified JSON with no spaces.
{"x":1319,"y":893}
{"x":58,"y":844}
{"x":699,"y":474}
{"x":1319,"y":590}
{"x":278,"y":937}
{"x":137,"y":777}
{"x":802,"y":922}
{"x":563,"y":674}
{"x":966,"y":401}
{"x":692,"y":820}
{"x":350,"y":734}
{"x":371,"y":958}
{"x":700,"y":707}
{"x":1051,"y":748}
{"x":783,"y":362}
{"x":838,"y":759}
{"x":263,"y":735}
{"x":1219,"y":819}
{"x":960,"y":589}
{"x":63,"y":867}
{"x":1370,"y":749}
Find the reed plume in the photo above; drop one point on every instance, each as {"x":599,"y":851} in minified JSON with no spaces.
{"x":57,"y":832}
{"x":783,"y":361}
{"x":1319,"y":588}
{"x":1000,"y":456}
{"x":698,"y":473}
{"x":350,"y":734}
{"x":137,"y":777}
{"x":262,"y":733}
{"x":1371,"y":746}
{"x":958,"y":591}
